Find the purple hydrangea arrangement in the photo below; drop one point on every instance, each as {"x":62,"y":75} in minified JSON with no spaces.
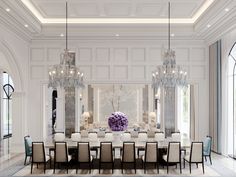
{"x":118,"y":121}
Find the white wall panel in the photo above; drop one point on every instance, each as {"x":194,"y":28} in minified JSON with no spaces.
{"x":120,"y":55}
{"x":138,"y":54}
{"x":197,"y":54}
{"x":198,"y":72}
{"x":102,"y":54}
{"x":102,"y":72}
{"x":138,"y":73}
{"x":85,"y":54}
{"x":87,"y":70}
{"x":53,"y":54}
{"x":37,"y":72}
{"x":155,"y":54}
{"x":120,"y":72}
{"x":37,"y":54}
{"x":182,"y":54}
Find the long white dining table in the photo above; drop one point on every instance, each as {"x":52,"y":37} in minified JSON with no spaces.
{"x":117,"y":143}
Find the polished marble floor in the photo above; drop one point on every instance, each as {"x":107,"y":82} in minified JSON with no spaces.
{"x":12,"y":164}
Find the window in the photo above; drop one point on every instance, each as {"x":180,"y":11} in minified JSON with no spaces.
{"x":7,"y":90}
{"x":232,"y":102}
{"x":183,"y":123}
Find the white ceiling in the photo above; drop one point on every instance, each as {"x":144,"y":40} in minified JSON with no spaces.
{"x":107,"y":11}
{"x":117,"y":8}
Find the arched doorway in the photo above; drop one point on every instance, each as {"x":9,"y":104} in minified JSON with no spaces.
{"x":232,"y":102}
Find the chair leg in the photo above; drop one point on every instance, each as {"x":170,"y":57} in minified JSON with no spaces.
{"x":44,"y":167}
{"x":203,"y":167}
{"x":197,"y":165}
{"x":205,"y":158}
{"x":180,"y":168}
{"x":184,"y":163}
{"x":25,"y":160}
{"x":54,"y":166}
{"x":90,"y":167}
{"x":112,"y":167}
{"x":99,"y":167}
{"x":67,"y":170}
{"x":167,"y":168}
{"x":144,"y":168}
{"x":121,"y":167}
{"x":158,"y":168}
{"x":31,"y":167}
{"x":190,"y":167}
{"x":210,"y":159}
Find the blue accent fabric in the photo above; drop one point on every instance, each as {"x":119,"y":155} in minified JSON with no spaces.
{"x":207,"y":146}
{"x":28,"y":146}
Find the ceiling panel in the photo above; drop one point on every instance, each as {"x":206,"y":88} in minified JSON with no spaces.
{"x":117,"y":8}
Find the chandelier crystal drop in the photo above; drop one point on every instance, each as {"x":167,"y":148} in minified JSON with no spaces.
{"x":169,"y":74}
{"x":66,"y":74}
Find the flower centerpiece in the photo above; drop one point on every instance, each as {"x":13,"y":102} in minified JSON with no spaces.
{"x":118,"y":121}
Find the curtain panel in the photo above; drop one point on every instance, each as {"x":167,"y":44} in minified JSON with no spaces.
{"x":215,"y":97}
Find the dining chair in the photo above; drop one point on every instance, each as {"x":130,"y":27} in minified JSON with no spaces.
{"x":151,"y":155}
{"x":126,"y":136}
{"x":207,"y":148}
{"x":128,"y":155}
{"x":101,"y":134}
{"x":83,"y":156}
{"x":92,"y":136}
{"x":151,"y":134}
{"x":76,"y":136}
{"x":38,"y":155}
{"x":84,"y":134}
{"x":134,"y":134}
{"x":159,"y":136}
{"x":142,"y":136}
{"x":61,"y":155}
{"x":173,"y":155}
{"x":109,"y":136}
{"x":176,"y":136}
{"x":59,"y":136}
{"x":106,"y":155}
{"x":195,"y":156}
{"x":28,"y":147}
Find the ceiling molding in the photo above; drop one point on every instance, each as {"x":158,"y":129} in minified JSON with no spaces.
{"x":125,"y":20}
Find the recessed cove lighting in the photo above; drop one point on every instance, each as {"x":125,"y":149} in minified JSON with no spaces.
{"x":226,"y":9}
{"x":62,"y":35}
{"x":26,"y":25}
{"x":8,"y":10}
{"x":208,"y":26}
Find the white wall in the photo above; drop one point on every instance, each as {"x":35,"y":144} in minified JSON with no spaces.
{"x":228,"y":41}
{"x":117,"y":61}
{"x":14,"y":54}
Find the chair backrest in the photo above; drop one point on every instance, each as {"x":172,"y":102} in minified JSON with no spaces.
{"x":134,"y":134}
{"x":142,"y":136}
{"x":126,"y":137}
{"x":106,"y":152}
{"x":28,"y":145}
{"x":151,"y":134}
{"x":59,"y":136}
{"x":61,"y":152}
{"x":75,"y":136}
{"x":83,"y":152}
{"x":38,"y":152}
{"x":93,"y":136}
{"x":174,"y":152}
{"x":84,"y":133}
{"x":101,"y":134}
{"x":109,"y":136}
{"x":196,"y":152}
{"x":128,"y":152}
{"x":176,"y":136}
{"x":151,"y":152}
{"x":159,"y":136}
{"x":207,"y":145}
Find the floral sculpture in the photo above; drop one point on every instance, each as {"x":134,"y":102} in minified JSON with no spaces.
{"x":118,"y":121}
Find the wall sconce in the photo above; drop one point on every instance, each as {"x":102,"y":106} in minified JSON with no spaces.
{"x":80,"y":97}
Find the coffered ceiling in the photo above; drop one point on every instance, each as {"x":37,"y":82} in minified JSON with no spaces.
{"x":117,"y":11}
{"x":123,"y":19}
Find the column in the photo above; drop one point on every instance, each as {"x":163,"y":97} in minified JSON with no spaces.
{"x":78,"y":108}
{"x":60,"y":111}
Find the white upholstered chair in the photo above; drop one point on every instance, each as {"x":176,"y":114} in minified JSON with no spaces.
{"x":83,"y":156}
{"x":151,"y":155}
{"x":159,"y":136}
{"x":92,"y":136}
{"x":126,"y":136}
{"x":61,"y":154}
{"x":38,"y":155}
{"x":84,"y":134}
{"x":109,"y":136}
{"x":134,"y":134}
{"x":142,"y":136}
{"x":76,"y":136}
{"x":59,"y":136}
{"x":173,"y":154}
{"x":195,"y":156}
{"x":176,"y":136}
{"x":101,"y":134}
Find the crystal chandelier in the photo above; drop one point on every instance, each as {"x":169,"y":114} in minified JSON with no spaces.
{"x":65,"y":74}
{"x":169,"y":74}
